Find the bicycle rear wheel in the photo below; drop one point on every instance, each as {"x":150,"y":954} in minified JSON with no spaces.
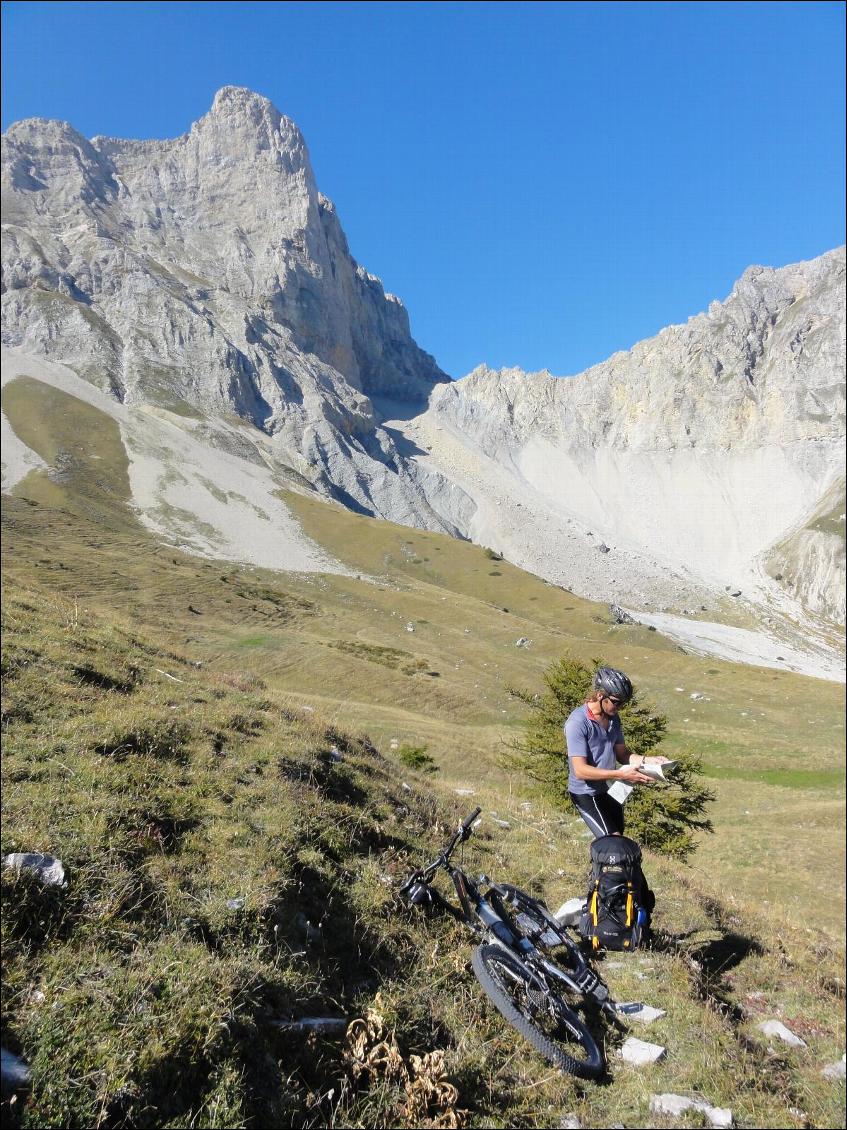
{"x":550,"y":1024}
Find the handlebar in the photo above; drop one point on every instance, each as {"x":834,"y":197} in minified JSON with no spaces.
{"x":466,"y":824}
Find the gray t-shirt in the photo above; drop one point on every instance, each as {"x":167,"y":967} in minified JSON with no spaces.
{"x":586,"y":738}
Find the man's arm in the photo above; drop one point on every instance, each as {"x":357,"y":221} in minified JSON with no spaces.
{"x":625,"y":756}
{"x":585,"y":772}
{"x":577,"y":748}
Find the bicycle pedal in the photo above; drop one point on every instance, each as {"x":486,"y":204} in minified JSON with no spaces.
{"x":587,"y":980}
{"x":590,"y":983}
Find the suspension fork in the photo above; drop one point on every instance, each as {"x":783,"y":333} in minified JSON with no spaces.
{"x":478,"y":909}
{"x":463,"y":891}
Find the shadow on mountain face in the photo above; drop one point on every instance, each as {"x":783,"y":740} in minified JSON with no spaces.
{"x":405,"y":447}
{"x":347,"y":500}
{"x":387,"y":408}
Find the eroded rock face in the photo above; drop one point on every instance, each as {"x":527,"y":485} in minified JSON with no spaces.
{"x":766,"y":366}
{"x":208,"y":271}
{"x":810,"y":561}
{"x":700,"y":448}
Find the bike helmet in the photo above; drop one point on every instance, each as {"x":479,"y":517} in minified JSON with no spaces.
{"x":614,"y":683}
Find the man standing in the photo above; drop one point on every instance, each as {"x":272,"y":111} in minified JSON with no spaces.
{"x":596,"y":745}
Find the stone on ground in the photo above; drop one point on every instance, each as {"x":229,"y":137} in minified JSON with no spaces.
{"x":778,"y":1029}
{"x":675,"y":1105}
{"x":640,"y":1053}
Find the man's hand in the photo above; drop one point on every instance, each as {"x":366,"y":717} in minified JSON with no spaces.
{"x":656,"y":759}
{"x":632,"y":776}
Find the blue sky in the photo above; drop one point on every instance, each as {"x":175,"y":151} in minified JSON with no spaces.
{"x":542,"y":184}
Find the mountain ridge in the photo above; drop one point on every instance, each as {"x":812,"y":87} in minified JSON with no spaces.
{"x":206,"y":276}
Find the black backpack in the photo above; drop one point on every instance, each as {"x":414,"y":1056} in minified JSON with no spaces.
{"x":619,"y":902}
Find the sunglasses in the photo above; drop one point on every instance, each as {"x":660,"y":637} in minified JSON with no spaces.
{"x":614,"y":701}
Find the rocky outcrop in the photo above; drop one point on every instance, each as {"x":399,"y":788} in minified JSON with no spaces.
{"x":810,"y":562}
{"x":210,"y":260}
{"x":694,"y":452}
{"x":766,"y":366}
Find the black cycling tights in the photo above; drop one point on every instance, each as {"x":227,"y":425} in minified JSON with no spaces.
{"x":602,"y":814}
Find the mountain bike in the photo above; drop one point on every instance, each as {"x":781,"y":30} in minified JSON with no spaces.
{"x":550,"y":1003}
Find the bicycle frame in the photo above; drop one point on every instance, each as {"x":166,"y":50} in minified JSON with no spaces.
{"x":480,"y":913}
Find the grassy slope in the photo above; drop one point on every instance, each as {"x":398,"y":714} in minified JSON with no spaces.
{"x":340,"y":646}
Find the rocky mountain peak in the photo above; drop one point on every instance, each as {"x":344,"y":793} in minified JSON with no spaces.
{"x":49,"y":157}
{"x":206,"y":272}
{"x":243,"y":119}
{"x":237,"y":105}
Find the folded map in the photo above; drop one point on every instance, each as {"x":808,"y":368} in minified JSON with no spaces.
{"x":620,"y":790}
{"x":656,"y":771}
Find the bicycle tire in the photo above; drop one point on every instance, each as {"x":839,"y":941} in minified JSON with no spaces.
{"x":506,"y":981}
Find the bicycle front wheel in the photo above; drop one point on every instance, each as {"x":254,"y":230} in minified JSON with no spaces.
{"x":552,"y":1027}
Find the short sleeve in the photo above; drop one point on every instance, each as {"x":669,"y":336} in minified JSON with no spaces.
{"x":576,"y":737}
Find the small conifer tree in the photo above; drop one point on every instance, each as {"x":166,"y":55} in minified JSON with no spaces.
{"x":662,"y":817}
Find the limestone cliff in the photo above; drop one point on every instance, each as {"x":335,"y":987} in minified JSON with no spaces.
{"x":208,"y":272}
{"x":696,"y":451}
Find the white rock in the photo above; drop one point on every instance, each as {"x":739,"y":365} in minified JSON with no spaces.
{"x":48,"y":868}
{"x":640,"y":1053}
{"x":777,"y":1028}
{"x":835,"y":1070}
{"x":646,"y":1014}
{"x":570,"y":912}
{"x":675,"y":1105}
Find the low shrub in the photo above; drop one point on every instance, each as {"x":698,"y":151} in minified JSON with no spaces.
{"x":416,"y":757}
